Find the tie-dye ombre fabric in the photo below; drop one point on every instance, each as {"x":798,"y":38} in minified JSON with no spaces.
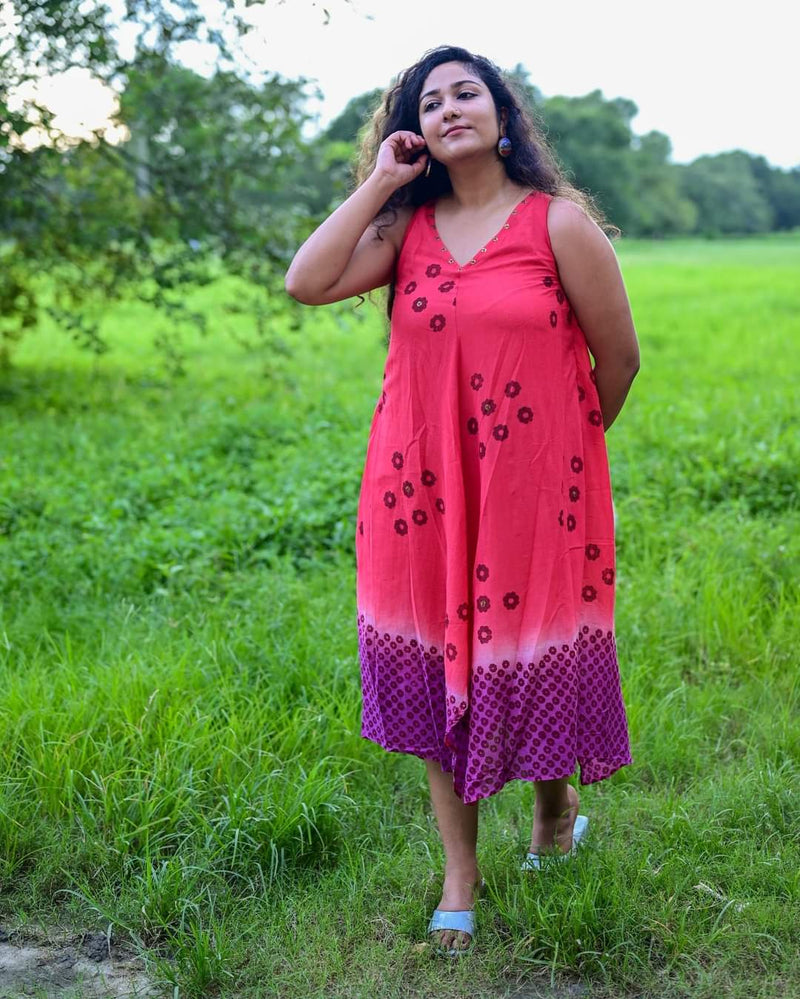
{"x":485,"y":533}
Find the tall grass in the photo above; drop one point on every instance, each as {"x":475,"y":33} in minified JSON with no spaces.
{"x":179,"y":737}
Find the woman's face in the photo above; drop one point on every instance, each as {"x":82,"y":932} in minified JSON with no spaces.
{"x":457,"y":115}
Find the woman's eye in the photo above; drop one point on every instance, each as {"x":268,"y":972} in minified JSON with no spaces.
{"x":466,"y":93}
{"x":431,"y":104}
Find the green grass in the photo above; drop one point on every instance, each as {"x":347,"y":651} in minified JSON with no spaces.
{"x":179,"y":709}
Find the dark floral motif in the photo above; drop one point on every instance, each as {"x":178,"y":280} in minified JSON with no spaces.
{"x":481,"y":450}
{"x":576,"y":464}
{"x":488,"y":406}
{"x":484,"y":634}
{"x":574,"y":493}
{"x":408,"y":488}
{"x":483,"y":604}
{"x":525,"y":414}
{"x":559,"y":296}
{"x":446,"y":286}
{"x":607,"y":576}
{"x":361,"y":527}
{"x":589,"y":593}
{"x":472,"y":425}
{"x":513,"y":389}
{"x":581,"y":393}
{"x":560,"y":518}
{"x":427,"y":478}
{"x":419,"y":517}
{"x":410,"y":288}
{"x":447,"y":620}
{"x":482,"y":572}
{"x":420,"y":304}
{"x":433,"y":270}
{"x":476,"y":381}
{"x":595,"y":417}
{"x":397,"y":460}
{"x":592,"y":552}
{"x":401,"y":526}
{"x":511,"y":600}
{"x":548,"y":282}
{"x":571,"y":522}
{"x":463,"y":611}
{"x":554,"y":319}
{"x":450,"y":651}
{"x":389,"y":499}
{"x":500,"y":432}
{"x":440,"y":504}
{"x":437,"y":323}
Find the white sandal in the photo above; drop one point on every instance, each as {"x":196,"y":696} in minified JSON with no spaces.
{"x":536,"y":861}
{"x":461,"y":920}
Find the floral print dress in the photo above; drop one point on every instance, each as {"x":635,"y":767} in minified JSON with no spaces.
{"x":485,"y":531}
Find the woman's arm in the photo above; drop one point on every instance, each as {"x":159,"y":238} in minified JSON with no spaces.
{"x":590,"y":275}
{"x":345,"y":256}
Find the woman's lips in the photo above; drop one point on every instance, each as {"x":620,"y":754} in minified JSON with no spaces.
{"x":458,"y":128}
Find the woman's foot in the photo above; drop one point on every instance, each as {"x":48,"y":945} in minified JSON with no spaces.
{"x":553,"y":822}
{"x":458,"y":893}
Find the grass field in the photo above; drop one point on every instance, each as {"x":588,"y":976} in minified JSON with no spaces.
{"x":179,"y":708}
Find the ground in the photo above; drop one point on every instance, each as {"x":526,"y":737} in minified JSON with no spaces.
{"x":54,"y":963}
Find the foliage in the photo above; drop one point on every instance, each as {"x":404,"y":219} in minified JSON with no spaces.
{"x":727,"y":195}
{"x":592,"y":137}
{"x":202,"y":181}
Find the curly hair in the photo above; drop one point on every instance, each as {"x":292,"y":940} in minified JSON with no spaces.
{"x":532,"y":164}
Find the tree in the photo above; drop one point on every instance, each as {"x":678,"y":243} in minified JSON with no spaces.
{"x":659,"y":207}
{"x":726,"y":195}
{"x":206,"y":173}
{"x":592,"y":138}
{"x":781,"y":188}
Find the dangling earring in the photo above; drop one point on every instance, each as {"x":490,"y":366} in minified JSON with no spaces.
{"x":504,"y":145}
{"x":428,"y":167}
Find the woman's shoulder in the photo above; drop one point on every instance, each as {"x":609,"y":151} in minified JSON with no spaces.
{"x":572,"y":230}
{"x":393,"y":224}
{"x":566,"y":216}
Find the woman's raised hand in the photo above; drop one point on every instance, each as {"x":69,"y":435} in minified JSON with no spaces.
{"x":395,"y":156}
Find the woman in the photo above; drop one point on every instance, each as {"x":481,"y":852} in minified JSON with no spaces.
{"x":484,"y":544}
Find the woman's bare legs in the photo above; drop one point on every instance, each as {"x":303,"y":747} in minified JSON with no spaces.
{"x":458,"y":827}
{"x":554,"y":813}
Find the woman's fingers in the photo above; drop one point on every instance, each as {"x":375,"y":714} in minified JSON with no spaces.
{"x":405,"y":144}
{"x":402,"y":156}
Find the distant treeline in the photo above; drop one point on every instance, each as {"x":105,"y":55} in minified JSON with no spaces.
{"x":630,"y":176}
{"x":221,"y":171}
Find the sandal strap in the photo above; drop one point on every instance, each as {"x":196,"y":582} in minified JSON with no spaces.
{"x":462,"y":920}
{"x":536,"y":861}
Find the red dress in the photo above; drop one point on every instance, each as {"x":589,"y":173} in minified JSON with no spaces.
{"x":485,"y":532}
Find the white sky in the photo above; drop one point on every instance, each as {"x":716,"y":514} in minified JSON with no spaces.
{"x":713,"y":75}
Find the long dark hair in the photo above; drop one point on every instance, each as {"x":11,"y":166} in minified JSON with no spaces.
{"x":532,"y":163}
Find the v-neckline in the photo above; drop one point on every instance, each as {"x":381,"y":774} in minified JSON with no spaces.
{"x":481,"y":251}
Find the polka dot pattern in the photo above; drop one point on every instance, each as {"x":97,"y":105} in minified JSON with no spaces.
{"x":527,"y":720}
{"x":485,"y":521}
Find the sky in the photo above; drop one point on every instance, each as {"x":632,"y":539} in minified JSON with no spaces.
{"x":712,"y":75}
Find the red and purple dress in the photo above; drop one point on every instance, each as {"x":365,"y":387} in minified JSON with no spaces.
{"x":485,"y":530}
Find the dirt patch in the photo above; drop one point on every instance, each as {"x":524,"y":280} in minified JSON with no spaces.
{"x":70,"y":966}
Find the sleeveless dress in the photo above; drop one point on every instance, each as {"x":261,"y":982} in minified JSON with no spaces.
{"x":485,"y":530}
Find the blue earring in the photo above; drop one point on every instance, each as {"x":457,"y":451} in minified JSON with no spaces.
{"x":504,"y":146}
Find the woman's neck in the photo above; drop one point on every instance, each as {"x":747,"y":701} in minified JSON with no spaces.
{"x":480,"y":184}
